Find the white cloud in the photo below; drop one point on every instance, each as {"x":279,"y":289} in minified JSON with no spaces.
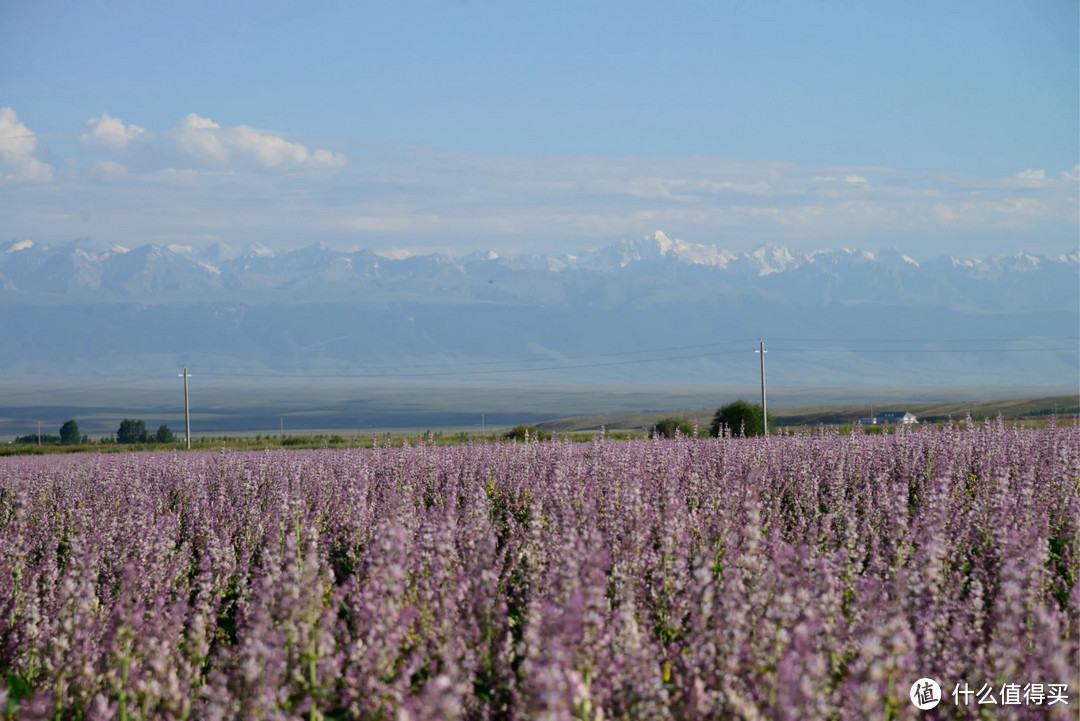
{"x":850,"y":178}
{"x":946,"y":212}
{"x":196,"y":181}
{"x":389,"y":223}
{"x":330,"y":160}
{"x":201,"y":137}
{"x":1072,"y":175}
{"x":653,"y":188}
{"x":1030,"y":174}
{"x":761,"y":187}
{"x":110,"y":133}
{"x":18,"y":148}
{"x":176,"y":177}
{"x":205,"y":140}
{"x":110,"y":167}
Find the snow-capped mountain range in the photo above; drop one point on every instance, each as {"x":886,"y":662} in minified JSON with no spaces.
{"x":152,"y":273}
{"x":92,"y":308}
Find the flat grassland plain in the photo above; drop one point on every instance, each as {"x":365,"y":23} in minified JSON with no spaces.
{"x":811,"y":576}
{"x":240,"y":406}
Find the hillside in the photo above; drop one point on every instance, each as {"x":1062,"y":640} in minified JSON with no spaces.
{"x":837,"y":414}
{"x":650,"y":310}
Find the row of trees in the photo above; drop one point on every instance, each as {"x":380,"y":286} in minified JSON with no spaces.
{"x":130,"y":431}
{"x":69,"y":436}
{"x":135,"y":432}
{"x":739,"y":418}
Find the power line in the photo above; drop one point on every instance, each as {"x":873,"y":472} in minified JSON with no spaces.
{"x":499,"y":367}
{"x":473,"y":372}
{"x":509,"y":361}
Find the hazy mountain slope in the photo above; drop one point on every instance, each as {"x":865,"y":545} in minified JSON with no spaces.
{"x":829,"y":317}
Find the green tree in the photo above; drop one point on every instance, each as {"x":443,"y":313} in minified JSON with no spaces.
{"x":32,"y":439}
{"x":164,"y":435}
{"x":519,"y":433}
{"x":740,"y":418}
{"x":667,"y":427}
{"x":69,"y":433}
{"x":132,"y":432}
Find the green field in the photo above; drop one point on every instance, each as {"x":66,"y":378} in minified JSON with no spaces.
{"x":619,"y":425}
{"x":1016,"y":408}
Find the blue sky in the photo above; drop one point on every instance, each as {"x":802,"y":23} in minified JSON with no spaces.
{"x":932,"y":127}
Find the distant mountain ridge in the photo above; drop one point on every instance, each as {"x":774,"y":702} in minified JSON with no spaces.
{"x":153,"y":273}
{"x":840,"y":317}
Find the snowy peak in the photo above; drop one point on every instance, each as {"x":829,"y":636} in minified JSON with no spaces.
{"x":895,"y":259}
{"x":16,"y":245}
{"x":219,"y":252}
{"x":763,"y":261}
{"x":655,"y":265}
{"x":694,"y":253}
{"x":622,"y":254}
{"x":650,"y":248}
{"x":767,"y":259}
{"x":1021,"y":262}
{"x":258,"y":250}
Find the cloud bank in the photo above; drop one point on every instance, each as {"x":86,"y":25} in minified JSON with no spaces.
{"x":205,"y":140}
{"x":199,"y":181}
{"x":110,"y":133}
{"x":18,"y":151}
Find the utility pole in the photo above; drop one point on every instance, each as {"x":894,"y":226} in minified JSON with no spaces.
{"x":187,"y":412}
{"x":764,"y":408}
{"x":39,"y":433}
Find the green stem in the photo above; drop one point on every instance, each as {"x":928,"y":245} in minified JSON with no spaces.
{"x":123,"y":685}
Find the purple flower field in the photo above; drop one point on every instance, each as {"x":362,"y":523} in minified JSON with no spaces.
{"x":811,"y":576}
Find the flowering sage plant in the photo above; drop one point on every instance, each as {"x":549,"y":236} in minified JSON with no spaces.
{"x":809,"y":576}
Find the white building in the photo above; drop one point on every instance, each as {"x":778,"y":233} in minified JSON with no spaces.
{"x":892,"y":418}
